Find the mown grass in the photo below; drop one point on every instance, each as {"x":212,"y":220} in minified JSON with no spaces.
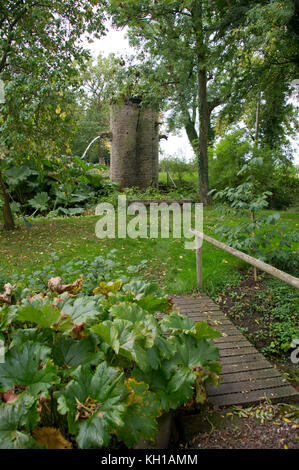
{"x":191,"y":178}
{"x":169,"y":263}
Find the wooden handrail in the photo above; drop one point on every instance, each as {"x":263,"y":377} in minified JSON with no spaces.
{"x":292,"y":280}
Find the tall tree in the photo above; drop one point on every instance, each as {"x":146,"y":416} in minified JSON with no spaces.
{"x":178,"y":34}
{"x":260,"y":54}
{"x":100,"y":86}
{"x":40,"y":54}
{"x":210,"y":53}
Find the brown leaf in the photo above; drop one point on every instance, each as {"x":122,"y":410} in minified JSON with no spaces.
{"x":78,"y":330}
{"x":9,"y":397}
{"x":5,"y":298}
{"x":55,"y":285}
{"x":51,"y":438}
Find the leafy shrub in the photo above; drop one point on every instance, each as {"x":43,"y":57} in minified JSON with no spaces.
{"x":96,"y":368}
{"x":277,"y":174}
{"x":252,"y":234}
{"x":61,"y":186}
{"x":271,"y":312}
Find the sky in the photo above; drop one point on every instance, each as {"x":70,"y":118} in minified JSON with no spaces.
{"x":116,"y":41}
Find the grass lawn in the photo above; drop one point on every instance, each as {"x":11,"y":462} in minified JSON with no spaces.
{"x":190,"y":177}
{"x":169,"y":263}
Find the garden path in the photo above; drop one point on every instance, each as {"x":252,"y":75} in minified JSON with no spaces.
{"x":247,"y":377}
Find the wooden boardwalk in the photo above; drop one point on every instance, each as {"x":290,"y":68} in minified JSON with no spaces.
{"x":247,"y":377}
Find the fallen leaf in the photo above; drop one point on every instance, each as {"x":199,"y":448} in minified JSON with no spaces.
{"x":51,"y":438}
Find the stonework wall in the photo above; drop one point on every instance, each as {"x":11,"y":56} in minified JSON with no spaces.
{"x":134,"y":145}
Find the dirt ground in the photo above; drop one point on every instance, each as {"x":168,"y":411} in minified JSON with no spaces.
{"x":250,"y":434}
{"x":264,"y":426}
{"x":236,"y":300}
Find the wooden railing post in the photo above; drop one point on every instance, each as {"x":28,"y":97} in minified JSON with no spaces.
{"x":198,"y":262}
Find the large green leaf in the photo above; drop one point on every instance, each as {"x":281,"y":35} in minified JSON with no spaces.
{"x":16,"y":175}
{"x":153,"y":304}
{"x":128,"y":311}
{"x":72,"y":353}
{"x":166,"y":348}
{"x":142,"y":289}
{"x":82,"y":310}
{"x":160,"y":383}
{"x":95,"y":404}
{"x":120,"y":335}
{"x":36,"y":335}
{"x":40,"y":201}
{"x":181,"y":383}
{"x":13,"y":419}
{"x":144,"y":323}
{"x":175,"y":379}
{"x":195,"y":353}
{"x":148,"y":296}
{"x":93,"y":433}
{"x":162,"y":349}
{"x":28,"y":365}
{"x":143,"y":408}
{"x":204,"y":331}
{"x":177,"y":322}
{"x":44,"y":316}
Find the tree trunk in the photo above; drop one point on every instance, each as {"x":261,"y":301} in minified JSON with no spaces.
{"x":8,"y":218}
{"x":191,"y":134}
{"x":257,"y":126}
{"x":257,"y":121}
{"x":204,"y":117}
{"x":203,"y":106}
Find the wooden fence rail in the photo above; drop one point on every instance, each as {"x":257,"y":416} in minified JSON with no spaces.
{"x":293,"y":281}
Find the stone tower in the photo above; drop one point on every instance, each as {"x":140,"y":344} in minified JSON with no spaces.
{"x":134,"y":159}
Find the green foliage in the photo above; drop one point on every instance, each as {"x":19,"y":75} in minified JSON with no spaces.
{"x":284,"y":187}
{"x":250,"y":235}
{"x":22,"y":369}
{"x":14,"y":420}
{"x":246,"y":52}
{"x":276,"y":174}
{"x":228,"y":159}
{"x":177,"y":167}
{"x":272,"y":314}
{"x":260,"y":57}
{"x":101,"y":82}
{"x":102,"y":361}
{"x":60,"y":186}
{"x":93,"y":401}
{"x":39,"y":202}
{"x":40,"y":60}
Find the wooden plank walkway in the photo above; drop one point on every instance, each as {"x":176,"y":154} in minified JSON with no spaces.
{"x":247,"y":377}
